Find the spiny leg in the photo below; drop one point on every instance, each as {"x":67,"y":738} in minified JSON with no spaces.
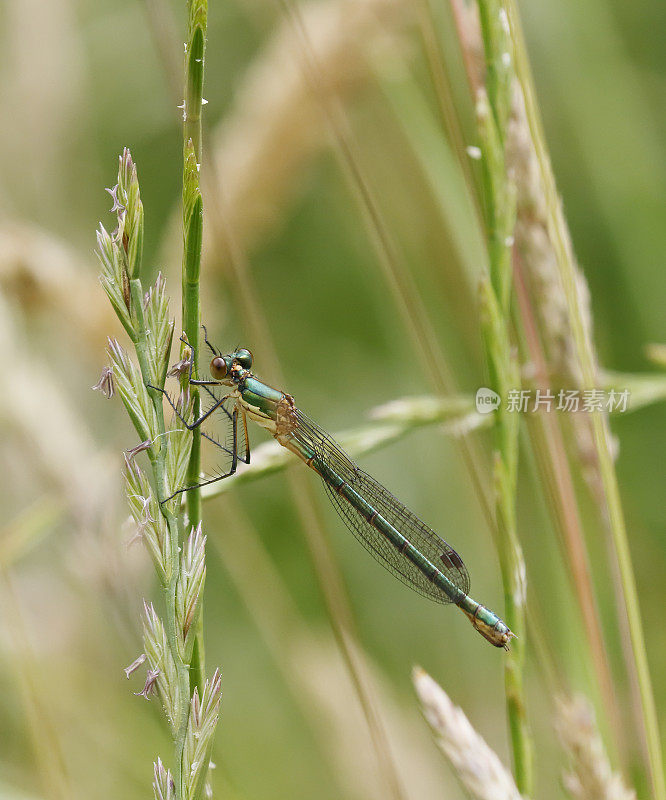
{"x":222,"y":408}
{"x":218,"y":404}
{"x":190,"y":379}
{"x":197,"y":422}
{"x":245,"y":460}
{"x":232,"y":469}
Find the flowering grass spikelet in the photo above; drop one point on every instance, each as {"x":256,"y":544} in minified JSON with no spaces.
{"x":114,"y":278}
{"x":189,"y":588}
{"x":476,"y":765}
{"x":163,"y":785}
{"x":133,"y":393}
{"x":159,"y":330}
{"x":128,"y":206}
{"x":591,"y":775}
{"x":149,"y":521}
{"x":204,"y":713}
{"x":161,"y":662}
{"x":178,"y":453}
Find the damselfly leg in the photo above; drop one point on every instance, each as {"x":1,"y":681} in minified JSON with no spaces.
{"x":232,"y":451}
{"x":236,"y":447}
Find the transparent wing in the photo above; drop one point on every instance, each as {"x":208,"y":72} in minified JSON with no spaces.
{"x":307,"y":433}
{"x":220,"y":434}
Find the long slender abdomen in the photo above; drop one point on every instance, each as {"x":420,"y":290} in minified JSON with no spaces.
{"x":386,"y":530}
{"x":485,"y":621}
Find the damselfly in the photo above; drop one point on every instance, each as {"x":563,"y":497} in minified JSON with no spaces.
{"x":388,"y":530}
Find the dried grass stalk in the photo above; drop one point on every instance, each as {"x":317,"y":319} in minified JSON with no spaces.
{"x":591,"y":776}
{"x":41,"y":274}
{"x":476,"y":765}
{"x":276,"y":122}
{"x":533,"y":245}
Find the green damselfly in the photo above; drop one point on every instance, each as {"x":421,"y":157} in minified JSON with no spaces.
{"x":395,"y":536}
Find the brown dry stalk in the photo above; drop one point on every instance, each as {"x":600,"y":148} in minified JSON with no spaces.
{"x":477,"y":766}
{"x":42,"y":274}
{"x":591,"y":776}
{"x":276,"y":123}
{"x":543,"y":307}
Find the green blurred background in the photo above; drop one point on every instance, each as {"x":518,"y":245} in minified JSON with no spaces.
{"x":81,"y":80}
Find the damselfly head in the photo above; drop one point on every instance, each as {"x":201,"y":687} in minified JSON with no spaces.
{"x":227,"y":368}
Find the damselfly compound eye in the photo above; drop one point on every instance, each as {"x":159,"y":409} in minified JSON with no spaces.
{"x":218,"y":368}
{"x":244,"y":358}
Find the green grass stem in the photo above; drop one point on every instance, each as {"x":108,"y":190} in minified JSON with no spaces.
{"x":493,"y":108}
{"x":192,"y":242}
{"x":562,"y":245}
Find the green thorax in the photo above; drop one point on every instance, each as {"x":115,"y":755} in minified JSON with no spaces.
{"x":260,"y":396}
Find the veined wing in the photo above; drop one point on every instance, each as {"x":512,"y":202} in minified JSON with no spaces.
{"x":223,"y":437}
{"x":309,"y":435}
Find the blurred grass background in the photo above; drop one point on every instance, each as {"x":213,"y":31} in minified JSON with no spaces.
{"x":81,"y":80}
